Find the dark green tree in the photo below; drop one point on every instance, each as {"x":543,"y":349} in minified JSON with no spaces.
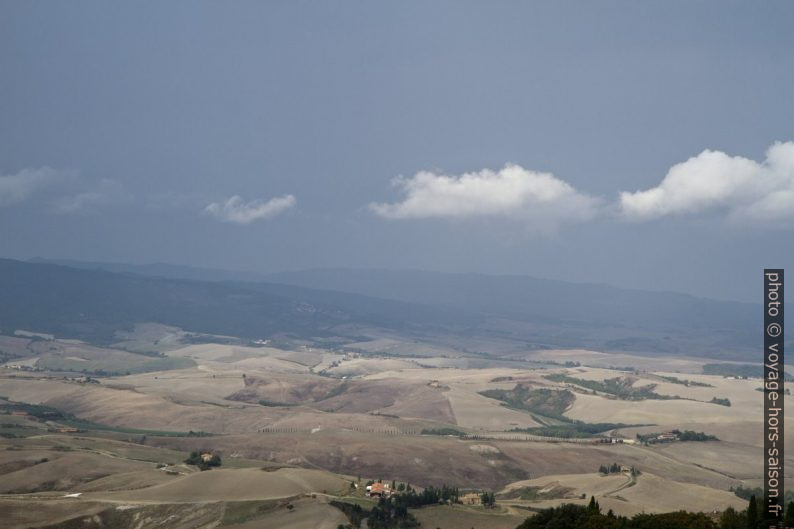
{"x":752,"y":513}
{"x":788,"y":519}
{"x":488,"y":499}
{"x":733,"y":519}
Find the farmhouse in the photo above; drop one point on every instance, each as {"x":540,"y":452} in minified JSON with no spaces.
{"x":67,"y":429}
{"x":206,"y":457}
{"x":667,"y":436}
{"x":471,"y":498}
{"x":379,"y":490}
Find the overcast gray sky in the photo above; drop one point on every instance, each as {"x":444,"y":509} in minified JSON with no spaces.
{"x":644,"y":144}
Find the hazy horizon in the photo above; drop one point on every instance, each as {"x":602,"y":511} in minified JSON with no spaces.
{"x":267,"y":275}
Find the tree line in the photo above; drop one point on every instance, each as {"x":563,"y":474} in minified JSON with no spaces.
{"x":572,"y":516}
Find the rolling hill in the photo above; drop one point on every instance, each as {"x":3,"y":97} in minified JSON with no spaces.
{"x":94,"y":304}
{"x":464,"y":311}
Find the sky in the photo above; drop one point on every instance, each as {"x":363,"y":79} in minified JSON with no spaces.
{"x":638,"y":144}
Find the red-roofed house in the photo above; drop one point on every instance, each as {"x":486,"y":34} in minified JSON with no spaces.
{"x":380,"y":490}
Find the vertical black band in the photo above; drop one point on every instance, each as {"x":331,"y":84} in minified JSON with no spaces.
{"x":774,"y":375}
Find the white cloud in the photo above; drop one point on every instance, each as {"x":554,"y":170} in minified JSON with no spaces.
{"x":18,"y":187}
{"x":714,"y":181}
{"x":105,"y":193}
{"x":235,"y":210}
{"x":539,"y":199}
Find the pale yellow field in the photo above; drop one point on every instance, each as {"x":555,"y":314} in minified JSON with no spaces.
{"x":642,"y":362}
{"x":305,"y":514}
{"x":746,"y":402}
{"x":455,"y":517}
{"x":398,"y":346}
{"x":186,"y":385}
{"x":239,"y":484}
{"x":588,"y":484}
{"x":368,"y":366}
{"x":655,"y":494}
{"x":23,"y":514}
{"x":239,"y":359}
{"x":63,"y":471}
{"x":481,"y":413}
{"x":480,"y":376}
{"x":592,"y":408}
{"x":649,"y":493}
{"x":137,"y":410}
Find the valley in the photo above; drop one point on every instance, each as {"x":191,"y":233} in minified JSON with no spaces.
{"x":304,"y":426}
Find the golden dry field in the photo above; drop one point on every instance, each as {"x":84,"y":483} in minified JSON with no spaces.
{"x":297,"y":426}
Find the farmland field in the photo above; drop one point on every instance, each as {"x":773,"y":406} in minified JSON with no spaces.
{"x":300,"y":425}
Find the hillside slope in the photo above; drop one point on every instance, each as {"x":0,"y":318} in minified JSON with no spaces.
{"x":469,"y":312}
{"x":94,"y":304}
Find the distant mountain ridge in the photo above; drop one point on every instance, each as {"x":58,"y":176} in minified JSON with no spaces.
{"x":527,"y":297}
{"x":158,"y":270}
{"x":521,"y":309}
{"x":93,"y":304}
